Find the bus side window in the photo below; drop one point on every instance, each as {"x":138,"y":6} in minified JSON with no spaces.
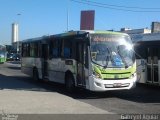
{"x":22,"y":53}
{"x":55,"y":52}
{"x":34,"y":49}
{"x":39,"y":50}
{"x":67,"y":52}
{"x":50,"y":49}
{"x":55,"y":48}
{"x":66,"y":48}
{"x":26,"y":50}
{"x":32,"y":52}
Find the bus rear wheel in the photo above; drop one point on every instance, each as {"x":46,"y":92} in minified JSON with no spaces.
{"x":69,"y":83}
{"x":35,"y":75}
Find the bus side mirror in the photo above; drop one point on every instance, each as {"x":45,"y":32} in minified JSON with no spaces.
{"x":87,"y":39}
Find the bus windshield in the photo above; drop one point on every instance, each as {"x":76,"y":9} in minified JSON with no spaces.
{"x":112,"y":50}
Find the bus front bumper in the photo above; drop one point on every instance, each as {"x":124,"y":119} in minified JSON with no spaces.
{"x":97,"y":84}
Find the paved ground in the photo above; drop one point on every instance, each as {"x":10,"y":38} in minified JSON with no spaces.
{"x":141,"y":100}
{"x":19,"y":94}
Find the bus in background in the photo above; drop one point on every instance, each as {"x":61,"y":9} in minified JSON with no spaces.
{"x":147,"y":49}
{"x":3,"y":54}
{"x":94,"y":60}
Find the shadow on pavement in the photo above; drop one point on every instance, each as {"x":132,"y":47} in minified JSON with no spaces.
{"x":14,"y":62}
{"x":142,"y":93}
{"x":15,"y":68}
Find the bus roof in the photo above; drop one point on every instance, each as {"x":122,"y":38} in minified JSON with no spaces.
{"x":34,"y":39}
{"x":91,"y":32}
{"x":70,"y":33}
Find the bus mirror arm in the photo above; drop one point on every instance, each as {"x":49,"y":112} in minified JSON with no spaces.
{"x":87,"y":38}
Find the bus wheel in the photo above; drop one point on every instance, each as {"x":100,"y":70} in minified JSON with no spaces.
{"x":35,"y":75}
{"x":69,"y":83}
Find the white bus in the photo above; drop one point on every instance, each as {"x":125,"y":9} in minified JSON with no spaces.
{"x":94,"y":60}
{"x":147,"y":48}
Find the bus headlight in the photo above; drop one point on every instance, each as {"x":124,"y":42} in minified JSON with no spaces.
{"x":97,"y":75}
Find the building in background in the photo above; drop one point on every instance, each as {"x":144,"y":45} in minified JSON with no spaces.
{"x":155,"y":27}
{"x":14,"y":32}
{"x":135,"y":31}
{"x":15,"y":37}
{"x":87,"y":20}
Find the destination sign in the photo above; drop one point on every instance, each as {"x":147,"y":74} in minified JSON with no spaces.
{"x":104,"y":38}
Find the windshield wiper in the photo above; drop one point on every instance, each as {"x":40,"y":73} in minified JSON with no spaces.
{"x":107,"y":57}
{"x":124,"y":61}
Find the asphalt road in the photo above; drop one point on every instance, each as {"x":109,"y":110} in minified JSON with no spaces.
{"x":19,"y":94}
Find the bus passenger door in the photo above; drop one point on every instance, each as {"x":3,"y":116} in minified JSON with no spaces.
{"x":152,"y":65}
{"x":80,"y":55}
{"x":45,"y":57}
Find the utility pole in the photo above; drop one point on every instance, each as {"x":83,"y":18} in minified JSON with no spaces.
{"x":67,"y":15}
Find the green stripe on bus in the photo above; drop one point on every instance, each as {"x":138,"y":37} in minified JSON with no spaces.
{"x":114,"y":72}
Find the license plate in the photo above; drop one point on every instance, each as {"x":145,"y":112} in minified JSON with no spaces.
{"x":117,"y":84}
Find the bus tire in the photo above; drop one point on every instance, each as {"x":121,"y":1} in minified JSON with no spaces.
{"x":35,"y":75}
{"x":69,"y":83}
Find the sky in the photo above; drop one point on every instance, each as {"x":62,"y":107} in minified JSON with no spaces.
{"x":47,"y":17}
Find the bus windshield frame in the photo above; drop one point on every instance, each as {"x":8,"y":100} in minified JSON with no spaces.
{"x":111,"y":50}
